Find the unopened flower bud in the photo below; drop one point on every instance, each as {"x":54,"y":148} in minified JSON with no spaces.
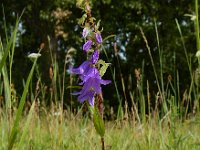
{"x":85,"y":32}
{"x":87,"y":45}
{"x":95,"y":57}
{"x":98,"y":38}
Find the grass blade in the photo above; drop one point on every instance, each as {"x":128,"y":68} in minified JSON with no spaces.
{"x":20,"y":108}
{"x":26,"y":126}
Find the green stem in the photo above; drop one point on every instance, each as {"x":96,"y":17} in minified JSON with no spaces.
{"x":100,"y":107}
{"x":197,"y":25}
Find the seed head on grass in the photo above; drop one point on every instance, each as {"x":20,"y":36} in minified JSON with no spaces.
{"x":34,"y":55}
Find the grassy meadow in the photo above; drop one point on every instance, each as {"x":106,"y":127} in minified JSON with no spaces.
{"x":50,"y":131}
{"x":173,"y":124}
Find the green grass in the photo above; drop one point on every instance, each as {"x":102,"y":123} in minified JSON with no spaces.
{"x":78,"y":133}
{"x":39,"y":127}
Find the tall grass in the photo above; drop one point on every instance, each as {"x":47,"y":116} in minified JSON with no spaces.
{"x":168,"y":127}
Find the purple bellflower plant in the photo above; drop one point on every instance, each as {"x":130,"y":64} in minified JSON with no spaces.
{"x":91,"y":70}
{"x":91,"y":79}
{"x":89,"y":74}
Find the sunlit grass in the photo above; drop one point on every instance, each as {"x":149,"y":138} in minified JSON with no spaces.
{"x":78,"y":133}
{"x":42,"y":127}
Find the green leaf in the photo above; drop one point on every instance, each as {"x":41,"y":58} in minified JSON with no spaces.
{"x":5,"y":81}
{"x":73,"y":87}
{"x":98,"y":25}
{"x":107,"y":1}
{"x":108,"y":37}
{"x":98,"y":121}
{"x":92,"y":20}
{"x":82,"y":19}
{"x":15,"y":127}
{"x":103,"y":68}
{"x":79,"y":3}
{"x":11,"y":42}
{"x":5,"y":53}
{"x":26,"y":126}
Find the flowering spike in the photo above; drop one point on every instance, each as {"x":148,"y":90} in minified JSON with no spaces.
{"x":89,"y":71}
{"x":87,"y":45}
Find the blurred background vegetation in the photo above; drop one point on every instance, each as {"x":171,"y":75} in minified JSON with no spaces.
{"x":53,"y":25}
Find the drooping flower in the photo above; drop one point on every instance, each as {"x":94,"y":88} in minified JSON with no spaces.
{"x":91,"y":87}
{"x":98,"y":38}
{"x":91,"y":79}
{"x":87,"y":68}
{"x":87,"y":45}
{"x":81,"y":69}
{"x":85,"y":94}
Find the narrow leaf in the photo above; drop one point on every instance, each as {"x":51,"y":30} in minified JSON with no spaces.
{"x":20,"y":108}
{"x":103,"y":68}
{"x":25,"y":129}
{"x":108,"y":37}
{"x":98,"y":121}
